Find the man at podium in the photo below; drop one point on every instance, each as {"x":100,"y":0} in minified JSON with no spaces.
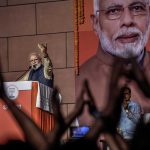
{"x":41,"y":70}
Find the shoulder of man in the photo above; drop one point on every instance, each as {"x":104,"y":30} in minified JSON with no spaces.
{"x":93,"y":64}
{"x":147,"y":58}
{"x":134,"y":103}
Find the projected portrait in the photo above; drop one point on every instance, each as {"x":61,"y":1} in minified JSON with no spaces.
{"x":116,"y":30}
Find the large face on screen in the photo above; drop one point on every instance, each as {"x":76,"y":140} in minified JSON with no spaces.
{"x":123,"y":26}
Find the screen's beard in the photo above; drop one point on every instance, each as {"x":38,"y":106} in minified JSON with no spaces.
{"x":36,"y":66}
{"x":125,"y":50}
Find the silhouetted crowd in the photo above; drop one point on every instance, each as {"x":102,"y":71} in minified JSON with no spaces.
{"x":106,"y":121}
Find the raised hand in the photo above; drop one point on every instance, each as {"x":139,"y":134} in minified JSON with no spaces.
{"x":43,"y":48}
{"x":62,"y":123}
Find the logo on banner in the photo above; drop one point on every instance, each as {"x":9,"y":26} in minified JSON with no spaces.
{"x":12,"y":92}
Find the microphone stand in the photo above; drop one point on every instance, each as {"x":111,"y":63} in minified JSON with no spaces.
{"x":23,"y":74}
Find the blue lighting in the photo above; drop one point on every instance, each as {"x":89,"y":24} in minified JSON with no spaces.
{"x":78,"y":132}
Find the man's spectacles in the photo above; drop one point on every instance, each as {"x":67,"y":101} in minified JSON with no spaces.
{"x":115,"y":12}
{"x":34,"y":60}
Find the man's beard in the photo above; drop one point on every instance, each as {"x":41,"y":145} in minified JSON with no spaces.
{"x":36,"y":66}
{"x":125,"y":50}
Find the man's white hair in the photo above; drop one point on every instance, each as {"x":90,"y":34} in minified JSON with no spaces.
{"x":35,"y":54}
{"x":96,"y":4}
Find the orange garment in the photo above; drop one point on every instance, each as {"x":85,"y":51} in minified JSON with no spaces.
{"x":43,"y":119}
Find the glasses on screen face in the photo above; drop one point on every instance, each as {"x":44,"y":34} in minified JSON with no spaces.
{"x":116,"y":11}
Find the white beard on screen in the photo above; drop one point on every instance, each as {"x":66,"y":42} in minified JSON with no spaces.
{"x":126,"y":50}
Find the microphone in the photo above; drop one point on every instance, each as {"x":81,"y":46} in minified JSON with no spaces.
{"x":23,"y":73}
{"x":34,"y":66}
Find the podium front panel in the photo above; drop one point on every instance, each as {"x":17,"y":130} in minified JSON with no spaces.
{"x":9,"y":128}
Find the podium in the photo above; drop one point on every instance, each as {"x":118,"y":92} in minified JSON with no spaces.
{"x":25,"y":94}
